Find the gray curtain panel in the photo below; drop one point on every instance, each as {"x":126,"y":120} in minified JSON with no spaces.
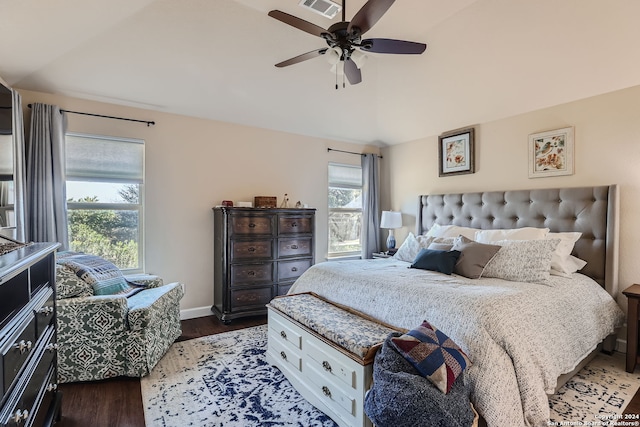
{"x":370,"y":205}
{"x":46,"y":191}
{"x":19,"y":168}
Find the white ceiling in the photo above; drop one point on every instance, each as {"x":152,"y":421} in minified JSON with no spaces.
{"x":486,"y":60}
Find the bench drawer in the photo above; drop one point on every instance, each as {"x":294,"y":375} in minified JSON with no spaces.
{"x":280,"y":330}
{"x":334,"y":395}
{"x":285,"y":354}
{"x":333,"y":365}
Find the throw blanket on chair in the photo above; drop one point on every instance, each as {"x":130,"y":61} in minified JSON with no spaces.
{"x":400,"y":396}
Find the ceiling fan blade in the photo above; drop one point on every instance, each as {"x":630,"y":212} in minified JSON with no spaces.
{"x":392,"y":46}
{"x":352,"y":72}
{"x":298,"y":23}
{"x":369,"y":14}
{"x":303,"y":57}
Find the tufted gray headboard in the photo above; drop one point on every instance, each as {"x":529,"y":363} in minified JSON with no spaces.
{"x":593,"y":211}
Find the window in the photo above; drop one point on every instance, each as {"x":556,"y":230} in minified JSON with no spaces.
{"x":345,"y":210}
{"x":105,"y":181}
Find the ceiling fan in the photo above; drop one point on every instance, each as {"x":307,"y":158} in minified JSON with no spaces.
{"x":345,"y":39}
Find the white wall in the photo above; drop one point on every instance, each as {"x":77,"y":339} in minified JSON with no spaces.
{"x":191,"y":165}
{"x":607,"y":151}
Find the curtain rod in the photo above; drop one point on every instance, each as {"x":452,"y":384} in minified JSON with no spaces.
{"x":149,"y":123}
{"x":351,"y":152}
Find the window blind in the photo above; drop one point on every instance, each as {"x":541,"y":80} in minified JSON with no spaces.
{"x":345,"y":176}
{"x":98,"y":158}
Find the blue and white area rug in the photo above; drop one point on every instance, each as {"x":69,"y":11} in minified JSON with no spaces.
{"x":224,"y":380}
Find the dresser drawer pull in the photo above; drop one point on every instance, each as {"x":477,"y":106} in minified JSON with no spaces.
{"x":252,"y":249}
{"x":294,"y":268}
{"x":294,"y":224}
{"x":283,"y":334}
{"x":252,"y":225}
{"x":52,"y":387}
{"x":23,"y":346}
{"x":283,"y":355}
{"x":251,"y":273}
{"x":20,"y":415}
{"x":294,"y":246}
{"x":326,"y":366}
{"x":45,"y":311}
{"x":326,"y":391}
{"x":52,"y":347}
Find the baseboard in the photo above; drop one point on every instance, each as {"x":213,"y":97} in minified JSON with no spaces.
{"x":193,"y":313}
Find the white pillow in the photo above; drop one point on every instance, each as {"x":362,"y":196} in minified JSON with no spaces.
{"x":411,"y":246}
{"x":524,"y":233}
{"x":437,"y":230}
{"x":561,"y":261}
{"x":522,"y":260}
{"x":572,"y":265}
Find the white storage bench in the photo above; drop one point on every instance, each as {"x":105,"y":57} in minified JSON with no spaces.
{"x":326,"y":352}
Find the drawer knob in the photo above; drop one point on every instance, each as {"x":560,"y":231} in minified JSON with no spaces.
{"x":252,"y":249}
{"x":251,"y":273}
{"x":52,"y":387}
{"x":283,"y":334}
{"x":23,"y":346}
{"x":252,"y":225}
{"x":283,"y":355}
{"x":294,"y":224}
{"x":326,"y":366}
{"x":52,"y":347}
{"x":294,"y":268}
{"x":20,"y":415}
{"x":326,"y":391}
{"x":294,"y":246}
{"x":45,"y":311}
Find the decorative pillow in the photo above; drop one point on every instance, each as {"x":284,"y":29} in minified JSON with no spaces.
{"x":572,"y":264}
{"x":561,"y":260}
{"x":68,"y":285}
{"x":473,"y":258}
{"x":411,"y":246}
{"x":522,"y":260}
{"x":442,"y":261}
{"x":438,"y":230}
{"x":433,"y":354}
{"x":102,"y":275}
{"x":524,"y":233}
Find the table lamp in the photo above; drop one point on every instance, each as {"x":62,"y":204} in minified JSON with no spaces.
{"x":391,"y":220}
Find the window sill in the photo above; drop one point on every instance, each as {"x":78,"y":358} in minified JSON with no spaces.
{"x":343,"y":258}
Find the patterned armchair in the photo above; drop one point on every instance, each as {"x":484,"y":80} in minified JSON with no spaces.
{"x":104,"y":333}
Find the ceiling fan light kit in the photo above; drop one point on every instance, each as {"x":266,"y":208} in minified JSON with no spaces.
{"x":346,"y":47}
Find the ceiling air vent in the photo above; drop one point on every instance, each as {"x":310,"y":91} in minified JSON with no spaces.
{"x":325,"y":8}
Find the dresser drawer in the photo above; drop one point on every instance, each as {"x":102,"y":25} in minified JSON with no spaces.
{"x":294,"y":247}
{"x":250,"y":297}
{"x":292,"y":269}
{"x":17,"y":350}
{"x":295,"y":224}
{"x":282,"y":330}
{"x":331,"y":394}
{"x":241,"y":250}
{"x":333,"y":365}
{"x":44,"y":310}
{"x":252,"y":274}
{"x":251,"y":225}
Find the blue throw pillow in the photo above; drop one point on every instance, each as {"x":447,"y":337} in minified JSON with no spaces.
{"x":435,"y":260}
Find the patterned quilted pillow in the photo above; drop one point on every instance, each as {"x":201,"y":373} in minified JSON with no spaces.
{"x":411,"y":246}
{"x":522,"y":260}
{"x":102,"y":275}
{"x":68,"y":285}
{"x":433,"y":354}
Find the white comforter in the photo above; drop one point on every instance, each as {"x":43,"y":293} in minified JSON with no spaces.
{"x":519,"y":336}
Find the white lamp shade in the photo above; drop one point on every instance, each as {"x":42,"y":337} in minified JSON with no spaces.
{"x":333,"y":55}
{"x":358,"y":58}
{"x":391,"y":219}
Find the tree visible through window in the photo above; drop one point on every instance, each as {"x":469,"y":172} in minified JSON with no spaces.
{"x":345,"y":210}
{"x":104,"y":197}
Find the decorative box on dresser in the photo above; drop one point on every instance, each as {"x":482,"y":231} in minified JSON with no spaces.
{"x":258,"y":254}
{"x":28,"y":372}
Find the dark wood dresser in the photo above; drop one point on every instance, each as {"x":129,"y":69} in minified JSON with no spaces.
{"x":258,"y":254}
{"x":28,"y":373}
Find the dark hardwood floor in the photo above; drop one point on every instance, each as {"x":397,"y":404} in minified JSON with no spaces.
{"x":118,"y":402}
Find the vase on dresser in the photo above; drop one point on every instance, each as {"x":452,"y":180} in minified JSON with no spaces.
{"x":258,"y":254}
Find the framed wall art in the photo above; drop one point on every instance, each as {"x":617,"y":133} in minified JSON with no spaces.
{"x":455,"y":152}
{"x":551,"y":153}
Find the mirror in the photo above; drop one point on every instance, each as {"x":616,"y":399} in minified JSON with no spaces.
{"x":12,"y":169}
{"x":7,"y":212}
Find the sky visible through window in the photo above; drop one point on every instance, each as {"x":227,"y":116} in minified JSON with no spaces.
{"x":106,"y":192}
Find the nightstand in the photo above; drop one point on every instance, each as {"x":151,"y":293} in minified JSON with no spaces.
{"x":633,"y":301}
{"x":380,"y":255}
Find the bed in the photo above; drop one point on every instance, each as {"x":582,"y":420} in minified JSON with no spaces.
{"x":524,"y":338}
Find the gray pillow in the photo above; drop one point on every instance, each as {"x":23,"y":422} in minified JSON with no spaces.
{"x":473,"y":258}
